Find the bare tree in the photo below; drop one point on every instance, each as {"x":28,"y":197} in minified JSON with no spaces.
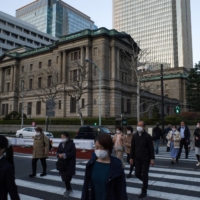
{"x":137,"y":60}
{"x":77,"y":87}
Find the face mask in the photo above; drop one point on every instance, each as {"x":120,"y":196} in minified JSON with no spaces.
{"x":101,"y":153}
{"x":173,"y":129}
{"x":128,"y":132}
{"x":37,"y":133}
{"x":64,"y":140}
{"x":197,"y":125}
{"x":139,"y":129}
{"x":117,"y":131}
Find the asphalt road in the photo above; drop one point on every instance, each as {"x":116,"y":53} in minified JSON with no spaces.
{"x":166,"y":181}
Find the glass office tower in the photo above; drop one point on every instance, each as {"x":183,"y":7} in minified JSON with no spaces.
{"x":54,"y":17}
{"x":162,"y":26}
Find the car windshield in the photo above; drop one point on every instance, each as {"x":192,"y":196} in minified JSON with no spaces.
{"x":105,"y":130}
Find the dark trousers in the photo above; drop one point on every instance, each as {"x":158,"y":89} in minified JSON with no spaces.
{"x":67,"y":183}
{"x":43,"y":162}
{"x":128,"y":161}
{"x":141,"y":172}
{"x":185,"y":144}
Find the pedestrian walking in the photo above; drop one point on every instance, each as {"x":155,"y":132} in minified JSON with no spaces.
{"x":185,"y":139}
{"x":66,"y":161}
{"x":40,"y":151}
{"x":127,"y":143}
{"x":118,"y":141}
{"x":166,"y":131}
{"x":197,"y":143}
{"x":7,"y":177}
{"x":104,"y":175}
{"x":142,"y":154}
{"x":174,"y":138}
{"x":157,"y":134}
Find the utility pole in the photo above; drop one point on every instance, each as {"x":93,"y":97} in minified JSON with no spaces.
{"x":162,"y":98}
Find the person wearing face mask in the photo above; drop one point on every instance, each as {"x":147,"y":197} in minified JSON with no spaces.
{"x":7,"y":178}
{"x":104,"y":175}
{"x":197,"y":143}
{"x":127,"y":143}
{"x":173,"y":138}
{"x":185,"y":139}
{"x":40,"y":151}
{"x":118,"y":141}
{"x":66,"y":155}
{"x":142,"y":154}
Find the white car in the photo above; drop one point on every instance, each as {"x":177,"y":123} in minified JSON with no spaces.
{"x":29,"y":132}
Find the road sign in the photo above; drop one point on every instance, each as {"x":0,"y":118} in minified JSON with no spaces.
{"x":50,"y":113}
{"x":50,"y":104}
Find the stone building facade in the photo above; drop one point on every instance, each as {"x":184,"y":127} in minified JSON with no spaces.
{"x":25,"y":76}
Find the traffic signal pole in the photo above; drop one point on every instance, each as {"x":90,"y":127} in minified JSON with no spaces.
{"x":162,"y":98}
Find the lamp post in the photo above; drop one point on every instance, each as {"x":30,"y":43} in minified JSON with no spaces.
{"x":87,"y":60}
{"x":162,"y":98}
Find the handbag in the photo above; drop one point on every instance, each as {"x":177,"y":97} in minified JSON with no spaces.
{"x":60,"y":165}
{"x":120,"y":148}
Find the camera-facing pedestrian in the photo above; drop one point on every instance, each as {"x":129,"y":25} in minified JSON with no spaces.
{"x":142,"y":154}
{"x":118,"y":141}
{"x":66,"y":161}
{"x":104,"y":175}
{"x":40,"y":151}
{"x":7,"y":178}
{"x":127,"y":143}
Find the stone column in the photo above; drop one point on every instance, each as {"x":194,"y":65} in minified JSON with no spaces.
{"x":64,"y":67}
{"x":82,"y":55}
{"x":1,"y":79}
{"x":11,"y":78}
{"x":60,"y":66}
{"x":118,"y":64}
{"x":113,"y":63}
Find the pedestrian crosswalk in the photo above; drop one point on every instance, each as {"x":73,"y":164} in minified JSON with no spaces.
{"x":164,"y":183}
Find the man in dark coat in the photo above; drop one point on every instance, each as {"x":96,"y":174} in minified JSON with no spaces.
{"x":7,"y":178}
{"x":185,"y":139}
{"x":142,"y":154}
{"x":157,"y":134}
{"x":197,"y":143}
{"x":67,"y":159}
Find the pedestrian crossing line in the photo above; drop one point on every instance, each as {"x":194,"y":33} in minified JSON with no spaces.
{"x":77,"y":193}
{"x":25,"y":197}
{"x":185,"y":172}
{"x":132,"y":180}
{"x":165,"y":176}
{"x":47,"y":188}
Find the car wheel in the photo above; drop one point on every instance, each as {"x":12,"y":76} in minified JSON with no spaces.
{"x":20,"y":136}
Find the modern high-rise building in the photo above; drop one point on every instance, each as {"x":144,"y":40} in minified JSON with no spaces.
{"x":55,"y":17}
{"x":15,"y":33}
{"x":162,"y":26}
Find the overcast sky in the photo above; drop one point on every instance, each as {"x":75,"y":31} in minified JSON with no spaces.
{"x":100,"y":12}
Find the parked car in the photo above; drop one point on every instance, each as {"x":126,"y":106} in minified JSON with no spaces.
{"x":90,"y":132}
{"x":29,"y":132}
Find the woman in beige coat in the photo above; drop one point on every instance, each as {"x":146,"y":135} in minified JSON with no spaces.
{"x":174,"y":138}
{"x":118,"y":141}
{"x":40,"y":151}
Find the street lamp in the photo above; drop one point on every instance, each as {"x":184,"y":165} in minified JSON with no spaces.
{"x":87,"y":60}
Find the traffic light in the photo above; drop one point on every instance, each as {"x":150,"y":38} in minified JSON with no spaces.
{"x":95,"y":123}
{"x":177,"y":109}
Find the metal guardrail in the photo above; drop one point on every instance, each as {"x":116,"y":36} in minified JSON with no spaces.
{"x":80,"y":144}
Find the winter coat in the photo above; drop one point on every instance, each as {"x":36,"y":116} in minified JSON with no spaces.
{"x":115,"y":185}
{"x":176,"y":139}
{"x":69,"y":159}
{"x":197,"y":134}
{"x":121,"y":140}
{"x":40,"y":146}
{"x":127,"y":142}
{"x":186,"y":133}
{"x":158,"y":133}
{"x":142,"y":147}
{"x":7,"y":181}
